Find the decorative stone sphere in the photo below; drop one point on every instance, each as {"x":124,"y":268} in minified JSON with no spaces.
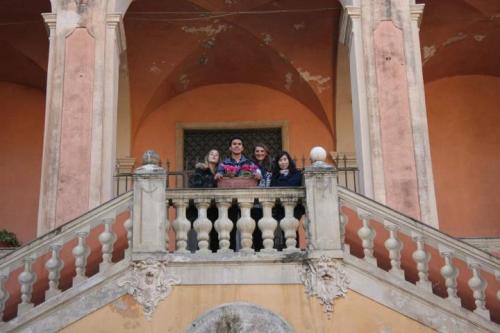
{"x":150,"y":157}
{"x":318,"y":154}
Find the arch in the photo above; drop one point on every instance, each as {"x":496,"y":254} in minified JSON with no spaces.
{"x":460,"y":37}
{"x":239,"y":317}
{"x":197,"y":66}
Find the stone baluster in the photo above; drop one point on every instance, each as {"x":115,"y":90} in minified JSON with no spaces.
{"x":497,"y":277}
{"x":367,"y":235}
{"x":394,"y":247}
{"x":246,"y":226}
{"x":202,"y":225}
{"x":4,"y":294}
{"x":267,"y":225}
{"x":478,"y":285}
{"x":81,"y":252}
{"x":26,"y":279}
{"x":450,"y":273}
{"x":54,"y":266}
{"x":223,"y":226}
{"x":129,"y":228}
{"x":181,"y":225}
{"x":107,"y":238}
{"x":289,"y":225}
{"x":421,"y":258}
{"x":343,"y":220}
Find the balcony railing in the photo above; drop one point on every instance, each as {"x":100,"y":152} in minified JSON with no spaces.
{"x":347,"y":174}
{"x":186,"y":226}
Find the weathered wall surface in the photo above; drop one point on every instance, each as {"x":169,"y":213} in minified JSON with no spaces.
{"x":230,"y":103}
{"x":21,"y":138}
{"x":464,"y":126}
{"x":187,"y":303}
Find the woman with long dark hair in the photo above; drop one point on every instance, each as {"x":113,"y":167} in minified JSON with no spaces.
{"x":284,"y":171}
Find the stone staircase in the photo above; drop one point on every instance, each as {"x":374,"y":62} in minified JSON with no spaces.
{"x":353,"y":243}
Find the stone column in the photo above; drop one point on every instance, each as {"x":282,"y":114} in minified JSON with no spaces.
{"x":150,"y":208}
{"x":323,"y":222}
{"x":390,"y":119}
{"x":81,"y":105}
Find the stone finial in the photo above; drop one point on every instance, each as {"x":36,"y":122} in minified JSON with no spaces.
{"x":318,"y":157}
{"x":151,"y":157}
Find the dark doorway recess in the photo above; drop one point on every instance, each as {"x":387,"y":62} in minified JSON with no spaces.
{"x":198,"y":142}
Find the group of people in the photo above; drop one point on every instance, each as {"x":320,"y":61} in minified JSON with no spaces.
{"x":280,"y":172}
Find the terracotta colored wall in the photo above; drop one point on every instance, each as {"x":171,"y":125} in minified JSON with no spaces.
{"x":187,"y":303}
{"x":230,"y":103}
{"x":464,"y":125}
{"x":22,"y":112}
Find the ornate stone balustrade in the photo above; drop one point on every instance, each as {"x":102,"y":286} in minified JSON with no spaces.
{"x":209,"y":236}
{"x":453,"y":252}
{"x":46,"y":252}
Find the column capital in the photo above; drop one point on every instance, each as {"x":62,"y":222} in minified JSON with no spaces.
{"x":50,"y":20}
{"x":115,"y":21}
{"x":416,"y":12}
{"x":349,"y":14}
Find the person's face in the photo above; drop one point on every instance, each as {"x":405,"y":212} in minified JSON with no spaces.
{"x":283,"y":162}
{"x":236,"y":147}
{"x":213,"y":157}
{"x":260,"y":153}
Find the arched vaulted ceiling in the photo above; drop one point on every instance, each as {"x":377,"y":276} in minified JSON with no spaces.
{"x":24,"y":42}
{"x":258,"y":49}
{"x":460,"y":37}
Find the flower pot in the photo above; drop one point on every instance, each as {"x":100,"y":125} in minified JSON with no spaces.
{"x":237,"y":182}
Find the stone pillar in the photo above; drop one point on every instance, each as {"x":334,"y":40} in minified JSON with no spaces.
{"x":390,"y":119}
{"x":150,"y":209}
{"x":323,"y":223}
{"x":81,"y":105}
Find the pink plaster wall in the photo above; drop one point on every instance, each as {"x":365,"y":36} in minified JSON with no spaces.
{"x":396,"y":133}
{"x":22,"y":112}
{"x":75,"y":146}
{"x":464,"y":129}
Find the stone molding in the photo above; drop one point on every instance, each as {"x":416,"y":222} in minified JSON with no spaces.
{"x":115,"y":21}
{"x":367,"y":280}
{"x":325,"y":279}
{"x":349,"y":13}
{"x":239,"y":317}
{"x":149,"y":283}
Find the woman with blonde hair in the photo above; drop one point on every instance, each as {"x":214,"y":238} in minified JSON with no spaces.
{"x":204,"y":172}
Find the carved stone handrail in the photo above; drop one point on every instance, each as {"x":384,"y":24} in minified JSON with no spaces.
{"x":67,"y":232}
{"x":408,"y":225}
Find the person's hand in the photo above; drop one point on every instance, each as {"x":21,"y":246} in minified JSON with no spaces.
{"x":257,"y":176}
{"x":218,"y":176}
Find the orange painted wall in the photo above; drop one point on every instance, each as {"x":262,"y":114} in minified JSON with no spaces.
{"x":464,"y":126}
{"x":22,"y":111}
{"x":230,"y":103}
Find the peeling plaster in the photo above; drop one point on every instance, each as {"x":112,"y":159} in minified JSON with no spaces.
{"x":267,"y":39}
{"x":458,"y":37}
{"x":479,"y":38}
{"x":155,"y":69}
{"x":184,"y":81}
{"x":318,"y":79}
{"x":210,"y":30}
{"x":429,"y":52}
{"x":288,"y":81}
{"x":299,"y":26}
